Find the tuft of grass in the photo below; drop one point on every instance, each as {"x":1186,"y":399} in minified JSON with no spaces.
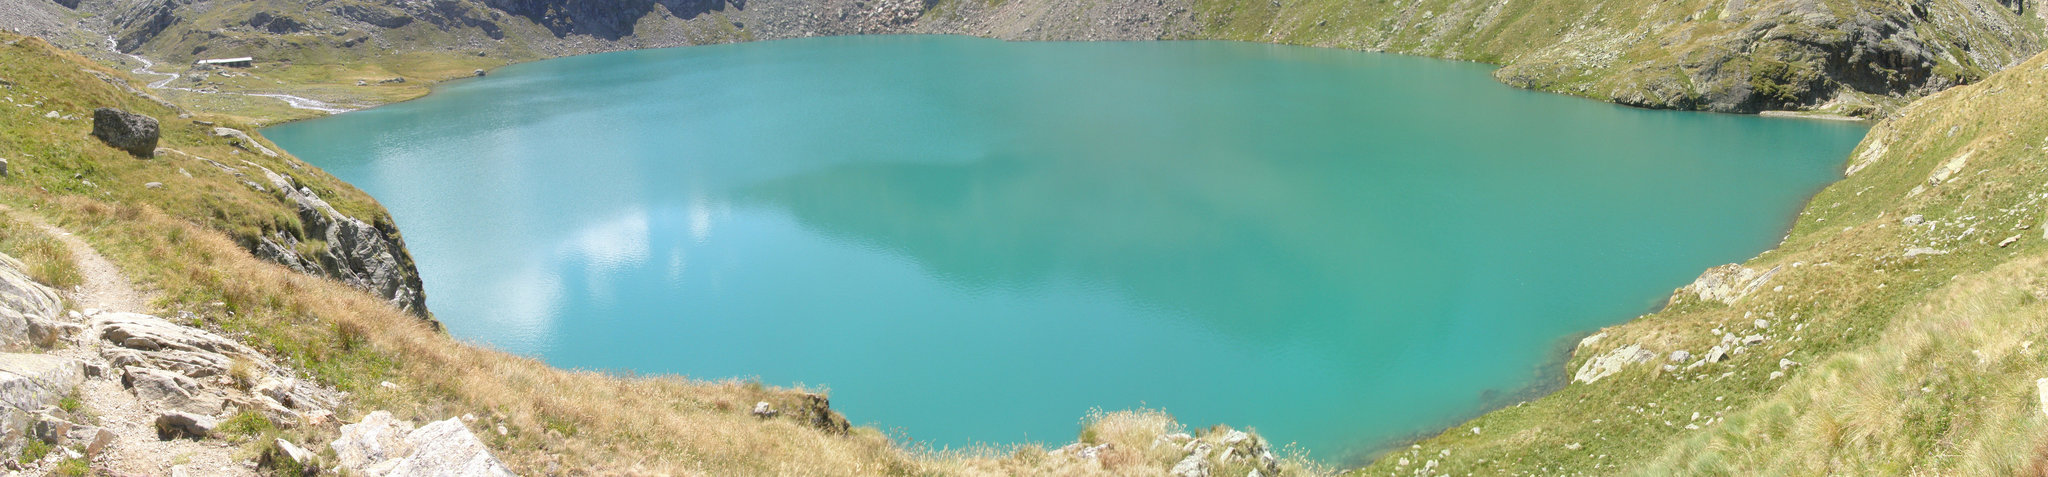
{"x":249,"y":425}
{"x":72,"y":404}
{"x":78,"y":467}
{"x":48,"y":260}
{"x":243,"y":373}
{"x":32,"y":450}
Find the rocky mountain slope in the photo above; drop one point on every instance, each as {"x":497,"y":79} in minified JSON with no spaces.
{"x":1848,"y":57}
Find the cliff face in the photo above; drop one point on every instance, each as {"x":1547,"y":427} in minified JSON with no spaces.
{"x":368,"y":257}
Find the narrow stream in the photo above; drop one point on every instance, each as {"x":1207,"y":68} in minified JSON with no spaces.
{"x":148,"y":66}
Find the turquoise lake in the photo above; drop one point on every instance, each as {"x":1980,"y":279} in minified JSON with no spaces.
{"x":976,"y":241}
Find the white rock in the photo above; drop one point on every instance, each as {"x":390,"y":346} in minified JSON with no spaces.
{"x":2042,"y":387}
{"x":377,"y":438}
{"x":1918,"y":251}
{"x":447,"y":449}
{"x":1717,"y":354}
{"x":1196,"y":464}
{"x":1728,"y":283}
{"x":1611,"y":362}
{"x":1091,"y":452}
{"x":23,"y":300}
{"x":298,"y":455}
{"x":1235,"y":436}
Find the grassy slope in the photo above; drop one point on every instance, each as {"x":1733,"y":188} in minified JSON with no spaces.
{"x":178,"y":241}
{"x":1908,"y":365}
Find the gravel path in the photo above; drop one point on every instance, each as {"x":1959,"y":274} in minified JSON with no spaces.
{"x":136,"y":450}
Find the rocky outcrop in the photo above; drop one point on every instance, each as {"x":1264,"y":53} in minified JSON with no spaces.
{"x":377,"y":438}
{"x":447,"y":448}
{"x":1847,"y":57}
{"x":182,"y":425}
{"x":276,"y":23}
{"x":815,"y":410}
{"x":378,"y":15}
{"x":24,"y":304}
{"x":242,"y":140}
{"x":368,"y":257}
{"x":179,"y":368}
{"x":171,"y":390}
{"x":610,"y":20}
{"x":1606,"y":364}
{"x":1218,"y":449}
{"x":29,"y":382}
{"x":126,"y":131}
{"x":1727,"y":283}
{"x":383,"y":446}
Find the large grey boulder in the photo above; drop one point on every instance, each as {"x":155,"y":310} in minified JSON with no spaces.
{"x":126,"y":131}
{"x":23,"y":302}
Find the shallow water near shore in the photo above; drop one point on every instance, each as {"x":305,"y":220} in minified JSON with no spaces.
{"x":977,"y":241}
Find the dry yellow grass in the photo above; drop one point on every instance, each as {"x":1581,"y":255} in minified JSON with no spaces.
{"x":48,"y":261}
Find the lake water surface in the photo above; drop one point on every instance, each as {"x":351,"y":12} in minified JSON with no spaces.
{"x":970,"y":240}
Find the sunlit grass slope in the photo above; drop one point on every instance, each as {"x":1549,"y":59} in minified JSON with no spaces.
{"x":1902,"y":334}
